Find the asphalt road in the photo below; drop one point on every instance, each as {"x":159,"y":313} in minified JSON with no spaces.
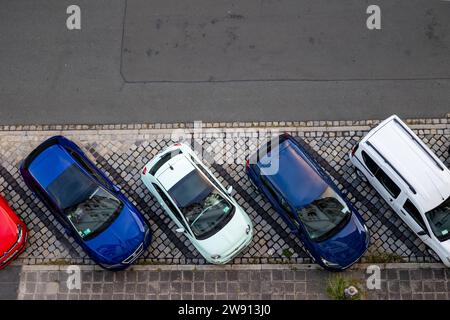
{"x":9,"y":282}
{"x":172,"y":60}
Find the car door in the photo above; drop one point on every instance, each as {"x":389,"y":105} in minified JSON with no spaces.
{"x":52,"y":207}
{"x":172,"y":210}
{"x":381,"y":181}
{"x":280,"y":204}
{"x":288,"y":214}
{"x":59,"y":215}
{"x":413,"y":216}
{"x":418,"y":225}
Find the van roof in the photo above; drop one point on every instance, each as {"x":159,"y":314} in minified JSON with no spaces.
{"x":419,"y":168}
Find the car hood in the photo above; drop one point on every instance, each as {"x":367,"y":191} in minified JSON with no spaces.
{"x":120,"y":239}
{"x":347,"y":246}
{"x":8,"y":231}
{"x":230,"y":237}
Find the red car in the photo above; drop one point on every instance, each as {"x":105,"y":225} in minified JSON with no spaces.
{"x":13,"y":234}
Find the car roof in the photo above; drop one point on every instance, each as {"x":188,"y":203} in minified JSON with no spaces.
{"x":416,"y":165}
{"x":173,"y":171}
{"x":295,"y":179}
{"x":49,"y":164}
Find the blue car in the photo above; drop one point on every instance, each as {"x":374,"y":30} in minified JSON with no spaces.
{"x":330,"y":228}
{"x":89,"y":206}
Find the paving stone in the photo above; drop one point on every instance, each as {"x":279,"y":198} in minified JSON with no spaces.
{"x":121,"y":157}
{"x":428,"y":286}
{"x":403,"y":274}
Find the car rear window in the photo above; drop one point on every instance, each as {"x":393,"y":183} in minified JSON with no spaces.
{"x":381,"y":176}
{"x":166,"y":157}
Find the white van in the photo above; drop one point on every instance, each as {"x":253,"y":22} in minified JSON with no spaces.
{"x":412,"y":180}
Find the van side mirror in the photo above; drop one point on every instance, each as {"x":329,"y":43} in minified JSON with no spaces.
{"x":421,"y":233}
{"x":180,"y":230}
{"x":230,"y":190}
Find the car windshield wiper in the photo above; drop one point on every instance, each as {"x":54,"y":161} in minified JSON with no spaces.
{"x":333,"y":230}
{"x":94,"y":193}
{"x":204,"y":210}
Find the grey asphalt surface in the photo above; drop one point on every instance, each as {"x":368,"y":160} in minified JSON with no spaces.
{"x":9,"y":282}
{"x":170,"y":61}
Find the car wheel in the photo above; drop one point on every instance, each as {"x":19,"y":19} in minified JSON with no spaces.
{"x":434,"y":255}
{"x":253,"y":184}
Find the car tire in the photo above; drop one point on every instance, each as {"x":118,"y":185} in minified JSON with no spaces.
{"x":253,"y":185}
{"x":434,"y":255}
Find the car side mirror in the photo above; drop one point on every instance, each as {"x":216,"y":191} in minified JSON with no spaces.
{"x":180,"y":230}
{"x":421,"y":233}
{"x":230,"y":190}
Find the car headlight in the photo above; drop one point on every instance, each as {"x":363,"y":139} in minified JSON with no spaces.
{"x":367,"y":235}
{"x":19,"y":233}
{"x":329,"y":264}
{"x":248,"y":229}
{"x":110,"y":266}
{"x":9,"y":258}
{"x":215,"y":257}
{"x":365,"y":228}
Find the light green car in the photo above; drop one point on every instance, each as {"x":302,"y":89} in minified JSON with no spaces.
{"x":199,"y":205}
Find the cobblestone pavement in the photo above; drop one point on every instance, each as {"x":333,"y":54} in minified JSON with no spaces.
{"x":121,"y":151}
{"x":267,"y":282}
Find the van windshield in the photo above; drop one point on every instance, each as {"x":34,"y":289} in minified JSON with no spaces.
{"x":324,"y":216}
{"x":439,"y":220}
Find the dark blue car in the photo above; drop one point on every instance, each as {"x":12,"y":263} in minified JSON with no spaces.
{"x":309,"y":202}
{"x":89,"y":206}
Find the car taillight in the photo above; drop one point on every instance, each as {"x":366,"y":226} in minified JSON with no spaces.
{"x":354,"y":149}
{"x":177,"y":144}
{"x":144,"y":171}
{"x":247,"y":163}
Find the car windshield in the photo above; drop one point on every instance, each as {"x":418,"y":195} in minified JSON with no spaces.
{"x":204,"y":208}
{"x":439,"y":220}
{"x":324,"y":216}
{"x":87,"y":206}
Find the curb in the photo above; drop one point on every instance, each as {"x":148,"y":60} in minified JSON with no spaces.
{"x":242,"y":267}
{"x":325,"y":125}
